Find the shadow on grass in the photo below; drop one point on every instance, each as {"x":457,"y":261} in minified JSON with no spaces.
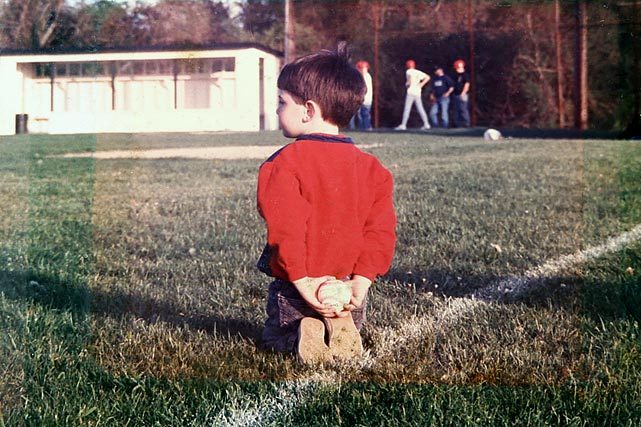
{"x":53,"y":293}
{"x":602,"y":292}
{"x":562,"y":292}
{"x":440,"y":281}
{"x":613,"y":295}
{"x":121,"y":304}
{"x":617,"y":299}
{"x":45,"y":290}
{"x":477,"y":132}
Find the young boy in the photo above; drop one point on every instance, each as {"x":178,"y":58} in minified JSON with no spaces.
{"x":328,"y":209}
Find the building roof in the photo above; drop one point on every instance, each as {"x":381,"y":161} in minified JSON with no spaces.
{"x":131,"y":49}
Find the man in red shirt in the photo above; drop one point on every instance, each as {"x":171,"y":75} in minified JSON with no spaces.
{"x":328,"y":208}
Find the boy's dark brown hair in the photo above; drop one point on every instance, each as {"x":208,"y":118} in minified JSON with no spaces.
{"x":327,"y":78}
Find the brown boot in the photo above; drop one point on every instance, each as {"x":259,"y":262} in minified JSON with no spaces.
{"x":344,"y":339}
{"x":311,"y":347}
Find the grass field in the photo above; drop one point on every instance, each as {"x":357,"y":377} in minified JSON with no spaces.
{"x":129,"y":296}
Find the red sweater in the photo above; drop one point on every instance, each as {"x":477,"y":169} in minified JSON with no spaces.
{"x":329,"y":210}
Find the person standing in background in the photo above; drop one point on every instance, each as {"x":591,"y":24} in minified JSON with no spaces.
{"x":442,"y":88}
{"x":364,"y":113}
{"x":414,"y":81}
{"x":461,"y":96}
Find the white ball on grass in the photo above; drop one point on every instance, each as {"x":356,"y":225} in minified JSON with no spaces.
{"x":492,"y":135}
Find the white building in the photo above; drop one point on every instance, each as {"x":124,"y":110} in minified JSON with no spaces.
{"x":227,"y":87}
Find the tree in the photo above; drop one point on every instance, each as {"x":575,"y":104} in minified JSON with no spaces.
{"x":182,"y":22}
{"x":35,"y":24}
{"x":221,"y":27}
{"x":174,"y":22}
{"x":104,"y":23}
{"x":260,"y":16}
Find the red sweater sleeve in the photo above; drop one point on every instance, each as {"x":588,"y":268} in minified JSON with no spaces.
{"x":286,"y":213}
{"x":379,"y":232}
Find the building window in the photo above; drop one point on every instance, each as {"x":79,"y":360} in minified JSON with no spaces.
{"x":223,"y":64}
{"x":158,"y":68}
{"x":70,"y":69}
{"x":42,"y":69}
{"x":151,"y":68}
{"x":93,"y":69}
{"x":61,"y":69}
{"x":193,"y":66}
{"x":124,"y":68}
{"x":139,"y":68}
{"x":165,"y":67}
{"x":74,"y":69}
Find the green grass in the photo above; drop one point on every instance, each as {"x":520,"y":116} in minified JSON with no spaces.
{"x":129,"y":296}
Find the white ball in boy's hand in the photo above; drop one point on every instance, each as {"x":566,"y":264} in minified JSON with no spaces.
{"x":335,"y":293}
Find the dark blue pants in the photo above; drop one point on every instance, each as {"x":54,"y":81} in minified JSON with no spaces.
{"x":285,"y":310}
{"x":461,"y":111}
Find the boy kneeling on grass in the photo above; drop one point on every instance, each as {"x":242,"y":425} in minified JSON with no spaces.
{"x":329,"y":212}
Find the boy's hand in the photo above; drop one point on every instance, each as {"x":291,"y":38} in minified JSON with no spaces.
{"x":360,"y":285}
{"x":308,"y":287}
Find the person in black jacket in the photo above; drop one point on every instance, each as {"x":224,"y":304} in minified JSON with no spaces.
{"x":442,"y":88}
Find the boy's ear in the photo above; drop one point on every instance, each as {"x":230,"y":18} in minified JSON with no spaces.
{"x":311,"y":110}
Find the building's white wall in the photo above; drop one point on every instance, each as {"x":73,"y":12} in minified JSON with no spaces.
{"x":142,"y":103}
{"x":11,"y":82}
{"x":127,"y":121}
{"x":247,"y":95}
{"x":272,"y":69}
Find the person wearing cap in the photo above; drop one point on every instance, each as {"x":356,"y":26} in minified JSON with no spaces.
{"x":442,"y":88}
{"x":364,"y":113}
{"x":414,"y":81}
{"x":461,"y":96}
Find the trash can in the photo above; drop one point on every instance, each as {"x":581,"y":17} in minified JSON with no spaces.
{"x":21,"y":123}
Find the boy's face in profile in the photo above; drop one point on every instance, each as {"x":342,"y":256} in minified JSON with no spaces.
{"x":290,"y":115}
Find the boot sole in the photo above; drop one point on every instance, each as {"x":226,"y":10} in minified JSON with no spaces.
{"x":311,"y":347}
{"x":344,"y":339}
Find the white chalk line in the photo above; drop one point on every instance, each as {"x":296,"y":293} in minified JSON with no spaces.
{"x":515,"y":287}
{"x":266,"y":410}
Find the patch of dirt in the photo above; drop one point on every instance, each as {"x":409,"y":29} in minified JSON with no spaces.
{"x":240,"y":152}
{"x":206,"y":153}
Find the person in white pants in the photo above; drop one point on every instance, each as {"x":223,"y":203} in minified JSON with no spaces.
{"x":414,"y":81}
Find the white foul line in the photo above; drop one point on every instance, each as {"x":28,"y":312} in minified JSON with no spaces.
{"x":246,"y":412}
{"x":515,"y":287}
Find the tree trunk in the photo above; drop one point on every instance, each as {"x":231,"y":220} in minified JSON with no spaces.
{"x":377,"y":20}
{"x":581,"y":72}
{"x":470,"y":28}
{"x":559,"y":65}
{"x":290,"y":45}
{"x":634,"y":127}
